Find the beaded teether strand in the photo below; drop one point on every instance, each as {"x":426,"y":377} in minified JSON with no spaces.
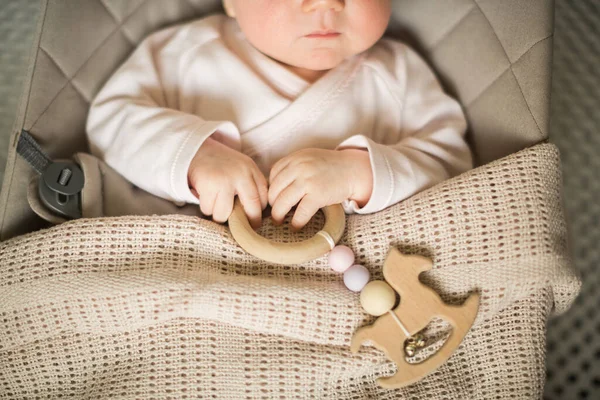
{"x":376,"y":297}
{"x":400,"y":324}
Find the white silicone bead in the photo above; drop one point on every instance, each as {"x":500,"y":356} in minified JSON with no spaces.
{"x":356,"y":277}
{"x":341,"y":258}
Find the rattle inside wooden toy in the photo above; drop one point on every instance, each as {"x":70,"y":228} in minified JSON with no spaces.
{"x":288,"y":253}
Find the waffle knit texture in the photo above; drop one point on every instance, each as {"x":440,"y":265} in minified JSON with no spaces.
{"x":170,"y":306}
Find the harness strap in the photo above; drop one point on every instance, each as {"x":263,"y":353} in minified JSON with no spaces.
{"x":31,"y":151}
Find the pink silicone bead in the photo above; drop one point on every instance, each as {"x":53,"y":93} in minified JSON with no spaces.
{"x":341,"y":258}
{"x":356,"y":277}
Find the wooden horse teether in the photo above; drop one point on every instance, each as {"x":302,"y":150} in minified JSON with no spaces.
{"x":418,"y":305}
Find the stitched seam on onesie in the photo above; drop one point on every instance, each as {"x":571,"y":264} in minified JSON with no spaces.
{"x":392,"y":180}
{"x":392,"y":82}
{"x":405,"y":99}
{"x":387,"y":80}
{"x":176,"y":160}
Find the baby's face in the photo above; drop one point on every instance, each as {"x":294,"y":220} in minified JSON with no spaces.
{"x":312,"y":34}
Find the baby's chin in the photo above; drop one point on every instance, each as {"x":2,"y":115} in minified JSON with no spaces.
{"x":321,"y":60}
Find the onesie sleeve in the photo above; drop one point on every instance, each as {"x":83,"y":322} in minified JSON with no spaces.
{"x":431,"y":145}
{"x":135,"y":126}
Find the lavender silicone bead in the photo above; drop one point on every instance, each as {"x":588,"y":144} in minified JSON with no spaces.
{"x":356,"y":277}
{"x":341,"y":258}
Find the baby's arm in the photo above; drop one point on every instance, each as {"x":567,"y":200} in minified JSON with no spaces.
{"x":432,"y":144}
{"x":135,"y":125}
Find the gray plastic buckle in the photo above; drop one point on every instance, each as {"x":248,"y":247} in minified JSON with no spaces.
{"x":60,"y":188}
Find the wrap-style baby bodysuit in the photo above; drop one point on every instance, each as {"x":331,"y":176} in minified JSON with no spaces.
{"x":204,"y":79}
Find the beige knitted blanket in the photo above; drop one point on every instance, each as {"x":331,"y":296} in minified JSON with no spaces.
{"x":170,"y":306}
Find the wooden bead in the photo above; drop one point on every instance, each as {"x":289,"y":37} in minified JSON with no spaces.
{"x":377,"y":298}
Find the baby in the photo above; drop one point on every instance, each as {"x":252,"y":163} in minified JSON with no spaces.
{"x":304,"y":92}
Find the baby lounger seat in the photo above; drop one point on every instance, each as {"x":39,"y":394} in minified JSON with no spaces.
{"x":141,"y":298}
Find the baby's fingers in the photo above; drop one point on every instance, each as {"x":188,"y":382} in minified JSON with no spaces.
{"x":207,"y":201}
{"x":223,"y":206}
{"x":282,"y":181}
{"x":263,"y":189}
{"x":279,"y":166}
{"x":304,"y":212}
{"x":251,"y":200}
{"x":288,"y":198}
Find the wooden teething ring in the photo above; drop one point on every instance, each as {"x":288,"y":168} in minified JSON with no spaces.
{"x":288,"y":253}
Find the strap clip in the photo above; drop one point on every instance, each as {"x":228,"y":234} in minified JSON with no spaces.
{"x":59,"y":188}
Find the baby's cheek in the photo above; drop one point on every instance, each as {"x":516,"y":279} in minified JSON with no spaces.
{"x":369,"y":20}
{"x":268,"y":29}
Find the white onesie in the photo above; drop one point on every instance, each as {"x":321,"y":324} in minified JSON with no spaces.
{"x":204,"y":79}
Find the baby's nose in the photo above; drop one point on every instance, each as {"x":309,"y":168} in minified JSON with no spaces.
{"x":313,"y":5}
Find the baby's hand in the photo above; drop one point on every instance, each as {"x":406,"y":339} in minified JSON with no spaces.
{"x":218,"y":173}
{"x":316,"y":178}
